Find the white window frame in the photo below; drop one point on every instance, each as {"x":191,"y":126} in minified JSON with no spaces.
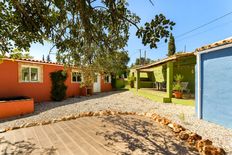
{"x":30,"y":66}
{"x":76,"y":81}
{"x":109,"y":78}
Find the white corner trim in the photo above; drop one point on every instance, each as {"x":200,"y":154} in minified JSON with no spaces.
{"x":199,"y":114}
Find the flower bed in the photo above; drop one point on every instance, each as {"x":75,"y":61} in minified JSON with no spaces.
{"x":15,"y":106}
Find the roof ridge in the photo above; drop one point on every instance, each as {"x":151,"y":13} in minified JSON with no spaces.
{"x":215,"y":44}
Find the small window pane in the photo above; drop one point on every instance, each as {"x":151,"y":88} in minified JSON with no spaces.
{"x":25,"y":74}
{"x":107,"y":79}
{"x":34,"y":74}
{"x":79,"y":79}
{"x":76,"y":77}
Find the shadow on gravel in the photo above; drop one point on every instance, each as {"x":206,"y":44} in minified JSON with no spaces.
{"x":23,"y":147}
{"x":44,"y":106}
{"x":141,"y":137}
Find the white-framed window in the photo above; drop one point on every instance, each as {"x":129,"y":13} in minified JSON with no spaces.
{"x":107,"y":79}
{"x":76,"y":77}
{"x":30,"y":73}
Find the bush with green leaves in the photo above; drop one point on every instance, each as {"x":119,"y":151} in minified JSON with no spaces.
{"x":58,"y":91}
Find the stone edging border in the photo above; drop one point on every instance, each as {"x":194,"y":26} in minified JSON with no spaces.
{"x":204,"y":146}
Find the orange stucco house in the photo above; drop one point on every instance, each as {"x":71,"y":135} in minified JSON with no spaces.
{"x":31,"y":78}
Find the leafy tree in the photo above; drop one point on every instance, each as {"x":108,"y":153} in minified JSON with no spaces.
{"x":152,"y":32}
{"x":48,"y":58}
{"x":142,"y":61}
{"x":83,"y":31}
{"x":132,"y":65}
{"x":58,"y":90}
{"x":17,"y":54}
{"x":43,"y":59}
{"x":171,"y":46}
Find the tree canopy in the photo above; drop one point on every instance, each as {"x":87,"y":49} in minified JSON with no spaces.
{"x":142,"y":61}
{"x":171,"y":46}
{"x":83,"y":32}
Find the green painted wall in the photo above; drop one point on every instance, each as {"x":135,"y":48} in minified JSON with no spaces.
{"x":186,"y":67}
{"x":146,"y":84}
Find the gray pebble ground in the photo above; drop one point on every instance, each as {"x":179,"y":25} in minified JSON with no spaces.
{"x":127,"y":101}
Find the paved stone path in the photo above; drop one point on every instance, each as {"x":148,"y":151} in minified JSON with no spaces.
{"x":95,"y":135}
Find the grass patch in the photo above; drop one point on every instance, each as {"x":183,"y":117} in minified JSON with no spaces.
{"x":188,"y":102}
{"x":148,"y":95}
{"x":159,"y":96}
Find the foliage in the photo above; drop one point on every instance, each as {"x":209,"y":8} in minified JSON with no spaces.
{"x":171,"y":46}
{"x":177,"y":85}
{"x":117,"y":83}
{"x":58,"y":91}
{"x":43,"y":59}
{"x":17,"y":54}
{"x":120,"y":83}
{"x":182,"y":116}
{"x":142,"y":61}
{"x":86,"y":33}
{"x":113,"y":81}
{"x":115,"y":63}
{"x":48,"y":58}
{"x":178,"y":77}
{"x":158,"y":28}
{"x":131,"y":81}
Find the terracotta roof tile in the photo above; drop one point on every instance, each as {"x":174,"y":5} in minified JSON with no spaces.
{"x":173,"y":57}
{"x":33,"y":60}
{"x":216,"y":44}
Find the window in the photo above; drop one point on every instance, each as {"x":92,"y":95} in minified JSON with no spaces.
{"x":107,"y":79}
{"x":76,"y":77}
{"x":29,"y":74}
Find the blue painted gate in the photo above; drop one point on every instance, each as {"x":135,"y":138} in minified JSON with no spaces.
{"x":216,"y":84}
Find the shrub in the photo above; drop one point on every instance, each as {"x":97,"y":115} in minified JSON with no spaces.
{"x":58,"y":91}
{"x":120,"y":83}
{"x":113,"y":81}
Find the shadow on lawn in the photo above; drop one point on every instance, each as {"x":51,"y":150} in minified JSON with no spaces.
{"x":23,"y":147}
{"x":141,"y":137}
{"x":44,"y":106}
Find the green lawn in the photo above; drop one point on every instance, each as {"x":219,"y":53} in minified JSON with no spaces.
{"x":158,"y":96}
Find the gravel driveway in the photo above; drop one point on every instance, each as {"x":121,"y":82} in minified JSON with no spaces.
{"x":127,"y":101}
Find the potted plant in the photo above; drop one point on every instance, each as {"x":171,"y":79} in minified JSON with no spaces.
{"x":177,"y":86}
{"x":131,"y":81}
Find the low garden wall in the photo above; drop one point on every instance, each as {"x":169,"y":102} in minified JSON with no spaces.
{"x":10,"y":107}
{"x":146,"y":84}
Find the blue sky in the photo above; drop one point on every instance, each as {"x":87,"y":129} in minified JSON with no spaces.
{"x":187,"y":14}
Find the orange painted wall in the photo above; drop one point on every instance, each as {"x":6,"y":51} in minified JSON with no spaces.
{"x":11,"y":87}
{"x":105,"y":86}
{"x":16,"y":108}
